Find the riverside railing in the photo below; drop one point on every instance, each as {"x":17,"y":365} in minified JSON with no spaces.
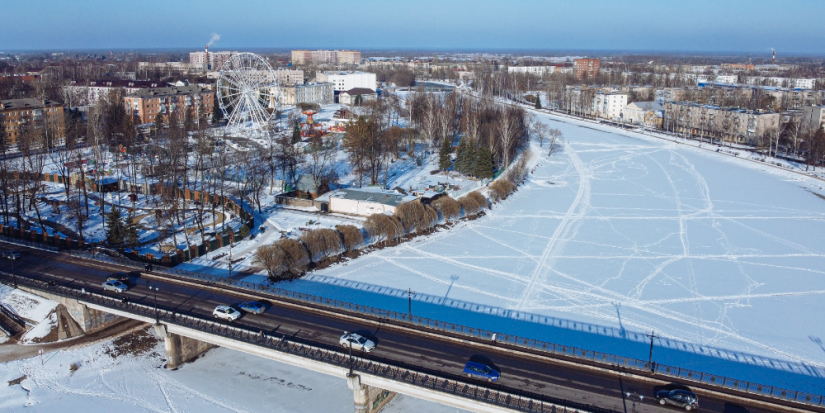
{"x":397,"y":371}
{"x":554,"y":349}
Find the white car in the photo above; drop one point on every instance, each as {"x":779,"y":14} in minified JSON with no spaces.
{"x":116,"y":286}
{"x":12,"y":255}
{"x":226,"y":312}
{"x":357,"y":342}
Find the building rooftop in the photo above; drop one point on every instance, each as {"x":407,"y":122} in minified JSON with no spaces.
{"x":26,"y":103}
{"x":378,"y":195}
{"x":169,"y":91}
{"x":359,"y":91}
{"x":651,"y":105}
{"x":120,"y":83}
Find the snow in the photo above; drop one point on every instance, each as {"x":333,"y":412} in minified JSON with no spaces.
{"x":221,"y":381}
{"x":25,"y":305}
{"x":620,"y":234}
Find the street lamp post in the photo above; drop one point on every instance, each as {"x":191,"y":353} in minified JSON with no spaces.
{"x":410,"y":294}
{"x":155,"y":294}
{"x":652,"y":335}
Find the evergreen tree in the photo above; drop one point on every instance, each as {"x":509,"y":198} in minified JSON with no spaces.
{"x":296,"y":133}
{"x":484,"y":163}
{"x":130,"y":235}
{"x":115,"y":230}
{"x":461,"y":157}
{"x":158,"y":123}
{"x":538,"y":101}
{"x":359,"y":100}
{"x":217,"y":113}
{"x":444,"y":161}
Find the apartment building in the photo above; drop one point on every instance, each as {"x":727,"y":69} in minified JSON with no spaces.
{"x":320,"y":93}
{"x":171,"y":67}
{"x":735,"y":67}
{"x":813,"y":117}
{"x":90,"y":92}
{"x":609,"y":105}
{"x":148,"y":104}
{"x":587,"y":67}
{"x":16,"y":115}
{"x":728,"y":124}
{"x":210,"y":60}
{"x":533,"y":70}
{"x":342,"y":80}
{"x":301,"y":57}
{"x":792,"y":83}
{"x":289,"y":76}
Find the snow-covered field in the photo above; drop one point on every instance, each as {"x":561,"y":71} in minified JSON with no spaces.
{"x":618,"y":235}
{"x":108,"y":380}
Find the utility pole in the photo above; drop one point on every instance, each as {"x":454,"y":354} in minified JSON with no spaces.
{"x":410,"y":294}
{"x":652,"y":335}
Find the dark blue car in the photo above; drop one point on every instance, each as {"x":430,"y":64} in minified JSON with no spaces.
{"x":253,"y":307}
{"x":480,"y":370}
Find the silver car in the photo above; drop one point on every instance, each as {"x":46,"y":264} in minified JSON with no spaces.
{"x":114,"y":285}
{"x":357,"y":342}
{"x":12,"y":255}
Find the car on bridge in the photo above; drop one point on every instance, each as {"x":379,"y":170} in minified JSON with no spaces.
{"x":115,"y":285}
{"x":357,"y":342}
{"x":685,"y":399}
{"x":481,"y":370}
{"x":11,"y":254}
{"x":253,"y":307}
{"x":226,"y":312}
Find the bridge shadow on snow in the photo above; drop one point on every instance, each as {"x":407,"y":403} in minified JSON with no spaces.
{"x":619,"y":341}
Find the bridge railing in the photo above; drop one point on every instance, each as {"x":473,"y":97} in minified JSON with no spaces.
{"x":595,"y":357}
{"x":397,"y":371}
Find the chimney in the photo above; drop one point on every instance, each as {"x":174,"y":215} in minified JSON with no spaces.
{"x":206,"y":57}
{"x":773,"y":59}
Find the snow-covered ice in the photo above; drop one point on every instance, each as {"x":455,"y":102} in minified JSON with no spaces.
{"x":618,"y":235}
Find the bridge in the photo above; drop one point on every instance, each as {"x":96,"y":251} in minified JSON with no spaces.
{"x":415,"y":356}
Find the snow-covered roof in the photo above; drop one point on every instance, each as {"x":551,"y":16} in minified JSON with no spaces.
{"x":377,"y":195}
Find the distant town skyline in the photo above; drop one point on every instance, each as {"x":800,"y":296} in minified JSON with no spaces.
{"x":634,"y":25}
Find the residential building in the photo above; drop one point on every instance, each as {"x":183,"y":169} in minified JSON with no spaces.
{"x":729,"y":124}
{"x":289,"y":76}
{"x":171,"y":67}
{"x":210,"y":60}
{"x":90,"y":92}
{"x":781,"y":82}
{"x":813,"y":117}
{"x":609,"y":105}
{"x":587,"y":67}
{"x":347,"y":97}
{"x":364,"y":201}
{"x":343,"y":80}
{"x":648,"y":114}
{"x":301,"y":57}
{"x":320,"y":93}
{"x":18,"y":114}
{"x":149,"y":103}
{"x":534,"y":70}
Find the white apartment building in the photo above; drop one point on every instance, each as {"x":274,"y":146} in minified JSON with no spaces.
{"x":813,"y":117}
{"x":782,"y":82}
{"x":348,"y":80}
{"x":320,"y":93}
{"x":609,"y":105}
{"x":289,"y":76}
{"x":90,"y":92}
{"x":534,"y":70}
{"x":215,"y":59}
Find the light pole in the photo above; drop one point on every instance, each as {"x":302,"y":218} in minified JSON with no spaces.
{"x":13,"y":274}
{"x":155,"y":294}
{"x":410,"y":294}
{"x":652,"y":335}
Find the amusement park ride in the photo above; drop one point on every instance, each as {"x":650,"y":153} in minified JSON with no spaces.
{"x":310,"y":128}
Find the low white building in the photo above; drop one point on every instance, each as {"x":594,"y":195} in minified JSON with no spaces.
{"x":533,"y":70}
{"x":320,"y":93}
{"x":364,"y":201}
{"x":348,"y":97}
{"x":346,"y":80}
{"x":643,"y":113}
{"x":609,"y":105}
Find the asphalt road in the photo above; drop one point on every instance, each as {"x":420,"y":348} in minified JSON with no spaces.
{"x":581,"y":385}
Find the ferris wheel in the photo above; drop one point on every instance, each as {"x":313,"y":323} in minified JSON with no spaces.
{"x":247,"y":93}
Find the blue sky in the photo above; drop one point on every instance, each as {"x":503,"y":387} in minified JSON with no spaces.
{"x":700,"y":25}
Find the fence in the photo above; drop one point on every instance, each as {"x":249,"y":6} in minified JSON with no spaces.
{"x":477,"y":333}
{"x":437,"y":381}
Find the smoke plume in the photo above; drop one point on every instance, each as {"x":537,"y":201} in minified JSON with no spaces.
{"x":215,"y":38}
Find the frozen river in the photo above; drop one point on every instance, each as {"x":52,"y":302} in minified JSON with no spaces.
{"x":630,"y":233}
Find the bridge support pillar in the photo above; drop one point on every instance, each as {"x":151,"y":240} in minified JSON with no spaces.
{"x":368,"y":399}
{"x":180,"y":349}
{"x":88,"y":319}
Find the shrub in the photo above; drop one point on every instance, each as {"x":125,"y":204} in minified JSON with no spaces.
{"x":351,"y":236}
{"x":501,"y":189}
{"x":243,"y":231}
{"x":412,"y":216}
{"x":448,"y":207}
{"x":322,"y":243}
{"x":469,"y":205}
{"x":431,"y":216}
{"x":479,"y":199}
{"x":383,"y":227}
{"x":272,"y":258}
